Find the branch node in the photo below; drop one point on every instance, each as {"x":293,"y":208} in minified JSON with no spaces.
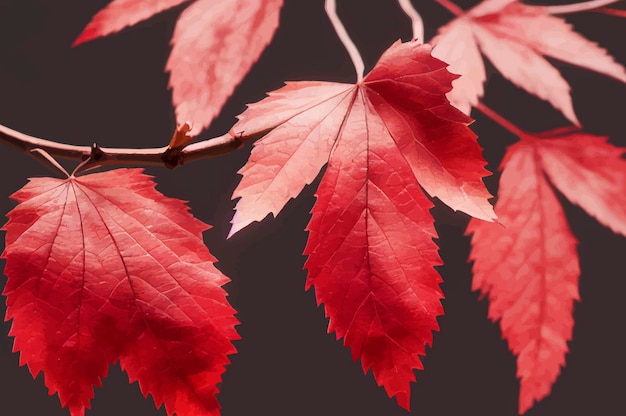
{"x":181,"y":150}
{"x":172,"y":157}
{"x":96,"y":153}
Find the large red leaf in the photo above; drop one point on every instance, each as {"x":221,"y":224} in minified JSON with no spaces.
{"x":307,"y":118}
{"x":515,"y":37}
{"x":215,"y":44}
{"x":529,"y":267}
{"x":103,"y":267}
{"x":371,"y":253}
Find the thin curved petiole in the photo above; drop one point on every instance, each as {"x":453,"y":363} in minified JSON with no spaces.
{"x":342,"y":34}
{"x":579,"y":7}
{"x":417,"y":22}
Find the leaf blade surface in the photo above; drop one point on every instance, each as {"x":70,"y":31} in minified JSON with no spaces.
{"x":99,"y":263}
{"x":371,"y":253}
{"x":528,"y":268}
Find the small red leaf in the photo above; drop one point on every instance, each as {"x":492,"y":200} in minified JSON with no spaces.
{"x":515,"y":37}
{"x":120,"y":14}
{"x":103,"y":267}
{"x":371,"y":253}
{"x":528,"y":267}
{"x":590,"y":172}
{"x":215,"y":44}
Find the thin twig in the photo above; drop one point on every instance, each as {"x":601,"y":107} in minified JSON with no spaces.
{"x":560,"y":9}
{"x":611,"y":11}
{"x":503,"y":122}
{"x":26,"y":143}
{"x":451,"y":7}
{"x":342,"y":34}
{"x":95,"y":155}
{"x":579,"y":7}
{"x":417,"y":22}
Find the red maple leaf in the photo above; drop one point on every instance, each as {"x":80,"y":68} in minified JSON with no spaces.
{"x":514,"y":36}
{"x":103,"y":267}
{"x":371,"y":250}
{"x":528,"y":266}
{"x":215,"y":44}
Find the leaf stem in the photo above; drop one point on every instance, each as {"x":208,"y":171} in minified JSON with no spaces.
{"x":95,"y":156}
{"x":451,"y":7}
{"x":579,"y":7}
{"x":48,"y":161}
{"x":417,"y":22}
{"x":611,"y":11}
{"x":503,"y":122}
{"x":342,"y":34}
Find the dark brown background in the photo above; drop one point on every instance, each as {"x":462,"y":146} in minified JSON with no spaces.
{"x":114,"y":91}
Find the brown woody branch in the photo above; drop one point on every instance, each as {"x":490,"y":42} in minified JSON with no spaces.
{"x":96,"y":156}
